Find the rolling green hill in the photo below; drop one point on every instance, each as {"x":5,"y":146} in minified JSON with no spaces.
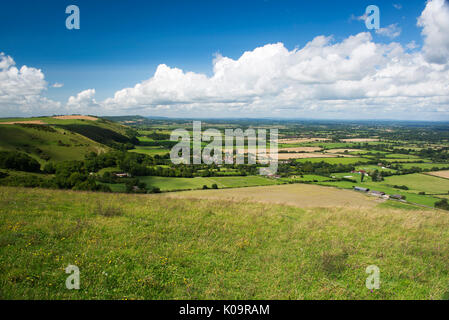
{"x":54,"y":139}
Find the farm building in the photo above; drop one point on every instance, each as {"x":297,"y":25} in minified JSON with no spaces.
{"x":397,"y":196}
{"x":361,"y":189}
{"x":122,"y":175}
{"x":377,"y":193}
{"x":360,"y":172}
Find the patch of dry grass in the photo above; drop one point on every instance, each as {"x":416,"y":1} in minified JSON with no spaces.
{"x":441,"y":174}
{"x":298,"y":195}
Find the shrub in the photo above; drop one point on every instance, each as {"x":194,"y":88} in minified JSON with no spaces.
{"x":18,"y":161}
{"x":214,"y":186}
{"x":108,"y":211}
{"x":442,"y":204}
{"x":154,"y":190}
{"x":333,"y":263}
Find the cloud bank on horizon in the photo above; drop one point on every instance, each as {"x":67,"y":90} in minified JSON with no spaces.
{"x":355,"y":77}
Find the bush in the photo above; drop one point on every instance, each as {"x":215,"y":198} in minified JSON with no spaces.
{"x":18,"y":161}
{"x":214,"y":186}
{"x":108,"y":211}
{"x":205,"y":187}
{"x":442,"y":204}
{"x":154,"y":190}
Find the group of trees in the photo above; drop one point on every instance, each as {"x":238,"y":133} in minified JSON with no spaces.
{"x":308,"y":167}
{"x":442,"y":204}
{"x":18,"y":161}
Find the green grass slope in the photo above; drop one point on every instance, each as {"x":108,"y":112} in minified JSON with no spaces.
{"x":61,"y":139}
{"x":154,"y":247}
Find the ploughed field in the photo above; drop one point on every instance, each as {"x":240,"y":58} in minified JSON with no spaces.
{"x":160,"y":247}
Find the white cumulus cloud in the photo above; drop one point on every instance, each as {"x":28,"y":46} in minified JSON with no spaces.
{"x":435,"y":23}
{"x":83,"y":102}
{"x":392,"y":31}
{"x":356,"y":76}
{"x":21,"y":89}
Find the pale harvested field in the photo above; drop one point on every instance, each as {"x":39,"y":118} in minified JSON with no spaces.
{"x":301,"y":140}
{"x":76,"y":118}
{"x":298,"y":195}
{"x":284,"y":156}
{"x":341,"y":150}
{"x":360,"y":140}
{"x":26,"y":122}
{"x":301,"y":149}
{"x":441,"y":174}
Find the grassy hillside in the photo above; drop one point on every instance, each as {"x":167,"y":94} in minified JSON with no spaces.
{"x":156,"y":247}
{"x":48,"y":138}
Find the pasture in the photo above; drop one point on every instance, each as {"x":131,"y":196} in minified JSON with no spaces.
{"x":341,"y":160}
{"x":171,"y":184}
{"x":160,"y":247}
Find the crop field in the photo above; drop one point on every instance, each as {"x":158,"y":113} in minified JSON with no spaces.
{"x":284,"y":156}
{"x":428,"y":166}
{"x":440,"y":174}
{"x":401,"y":156}
{"x":301,"y":149}
{"x":299,"y":195}
{"x":404,"y":160}
{"x":337,"y":160}
{"x":361,"y":140}
{"x":343,"y":150}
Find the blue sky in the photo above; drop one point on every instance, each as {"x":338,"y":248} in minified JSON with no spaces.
{"x":121,"y":43}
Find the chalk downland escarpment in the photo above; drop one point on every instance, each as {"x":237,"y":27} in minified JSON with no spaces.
{"x":63,"y":138}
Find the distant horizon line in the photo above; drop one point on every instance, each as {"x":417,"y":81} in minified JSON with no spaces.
{"x":237,"y":118}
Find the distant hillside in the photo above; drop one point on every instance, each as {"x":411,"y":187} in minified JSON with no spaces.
{"x":63,"y":138}
{"x":126,"y":119}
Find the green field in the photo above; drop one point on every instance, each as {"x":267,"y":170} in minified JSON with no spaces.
{"x":419,"y":182}
{"x":424,"y":166}
{"x":411,"y":196}
{"x":151,"y":151}
{"x":336,"y":160}
{"x":374,"y":167}
{"x":170,"y":184}
{"x":404,"y":160}
{"x":154,"y":247}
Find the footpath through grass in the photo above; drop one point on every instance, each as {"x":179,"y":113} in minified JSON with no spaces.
{"x":154,"y":247}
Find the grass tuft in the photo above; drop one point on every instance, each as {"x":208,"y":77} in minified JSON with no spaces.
{"x":108,"y":210}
